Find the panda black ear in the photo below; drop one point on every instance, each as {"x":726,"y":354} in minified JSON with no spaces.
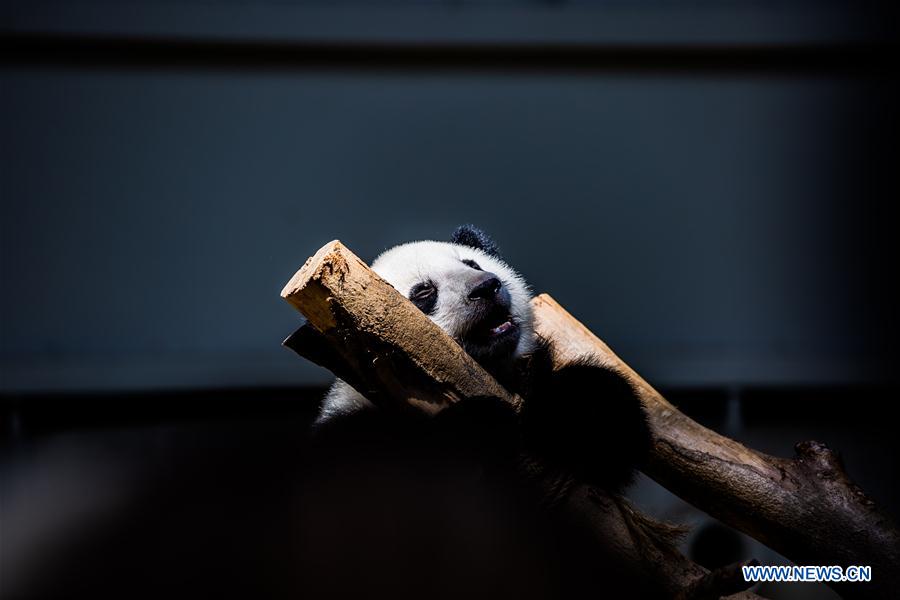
{"x":469,"y":235}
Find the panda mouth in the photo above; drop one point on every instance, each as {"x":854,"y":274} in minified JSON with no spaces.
{"x":493,"y":338}
{"x":500,"y":329}
{"x":495,"y":327}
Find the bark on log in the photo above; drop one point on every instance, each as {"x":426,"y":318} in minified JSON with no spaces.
{"x":805,"y":507}
{"x":364,"y":331}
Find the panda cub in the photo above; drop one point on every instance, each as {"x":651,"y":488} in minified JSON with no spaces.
{"x":583,"y":418}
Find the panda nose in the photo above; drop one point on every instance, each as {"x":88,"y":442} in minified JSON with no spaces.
{"x":486,"y":289}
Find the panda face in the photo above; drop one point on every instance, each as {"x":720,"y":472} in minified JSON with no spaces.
{"x":473,"y":296}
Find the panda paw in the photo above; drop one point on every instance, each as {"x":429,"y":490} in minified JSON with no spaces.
{"x":587,"y":419}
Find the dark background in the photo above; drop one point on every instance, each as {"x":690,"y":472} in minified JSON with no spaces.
{"x":707,"y":185}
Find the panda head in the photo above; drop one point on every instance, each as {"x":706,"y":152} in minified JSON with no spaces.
{"x":466,"y":288}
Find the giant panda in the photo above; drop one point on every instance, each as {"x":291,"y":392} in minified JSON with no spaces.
{"x":409,"y":506}
{"x":583,"y":418}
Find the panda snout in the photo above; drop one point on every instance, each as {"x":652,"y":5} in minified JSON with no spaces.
{"x":487,"y":288}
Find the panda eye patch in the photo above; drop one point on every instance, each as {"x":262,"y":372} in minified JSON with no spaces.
{"x":421,"y":290}
{"x":424,"y":296}
{"x":471,"y":263}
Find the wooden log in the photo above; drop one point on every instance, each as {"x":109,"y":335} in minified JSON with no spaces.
{"x":805,"y":507}
{"x":367,"y":333}
{"x":398,"y":356}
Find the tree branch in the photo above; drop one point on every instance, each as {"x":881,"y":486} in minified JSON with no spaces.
{"x":806,"y":508}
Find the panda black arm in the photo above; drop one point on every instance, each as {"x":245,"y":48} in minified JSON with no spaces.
{"x":586,"y":419}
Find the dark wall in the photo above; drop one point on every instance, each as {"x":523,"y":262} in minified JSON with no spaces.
{"x":719,"y":221}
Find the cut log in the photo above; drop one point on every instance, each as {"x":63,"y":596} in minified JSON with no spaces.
{"x":398,"y":356}
{"x":805,"y":507}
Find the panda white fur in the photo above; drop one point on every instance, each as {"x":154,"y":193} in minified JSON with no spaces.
{"x":468,"y":291}
{"x":584,"y":417}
